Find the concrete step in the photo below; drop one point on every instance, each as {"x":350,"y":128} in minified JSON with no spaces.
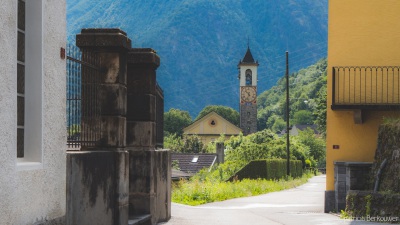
{"x":140,"y":220}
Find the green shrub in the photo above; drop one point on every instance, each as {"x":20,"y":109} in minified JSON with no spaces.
{"x":195,"y":192}
{"x":269,"y":169}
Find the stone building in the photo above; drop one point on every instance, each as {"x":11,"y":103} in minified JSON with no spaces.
{"x":32,"y":112}
{"x":248,"y":79}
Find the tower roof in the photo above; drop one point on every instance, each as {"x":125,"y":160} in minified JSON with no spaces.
{"x":248,"y":58}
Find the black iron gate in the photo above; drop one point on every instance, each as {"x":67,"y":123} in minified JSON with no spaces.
{"x":83,"y":109}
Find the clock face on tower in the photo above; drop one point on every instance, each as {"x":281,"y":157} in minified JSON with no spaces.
{"x":248,"y":94}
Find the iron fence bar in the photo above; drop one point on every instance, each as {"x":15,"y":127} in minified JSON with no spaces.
{"x":83,"y":70}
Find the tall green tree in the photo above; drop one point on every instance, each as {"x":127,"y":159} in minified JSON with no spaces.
{"x":226,"y":112}
{"x":175,"y":120}
{"x":317,"y":145}
{"x":303,"y":117}
{"x":320,"y":112}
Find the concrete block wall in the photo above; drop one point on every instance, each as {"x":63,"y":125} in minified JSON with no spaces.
{"x":348,"y":176}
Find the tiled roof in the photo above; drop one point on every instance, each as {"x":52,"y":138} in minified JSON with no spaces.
{"x":248,"y":58}
{"x":177,"y":174}
{"x":187,"y":163}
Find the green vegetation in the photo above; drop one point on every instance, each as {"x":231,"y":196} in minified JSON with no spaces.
{"x":74,"y":129}
{"x":269,"y":169}
{"x":188,"y":144}
{"x":264,"y":146}
{"x":226,"y":112}
{"x":307,"y":100}
{"x":198,"y":192}
{"x":175,"y":120}
{"x":267,"y":145}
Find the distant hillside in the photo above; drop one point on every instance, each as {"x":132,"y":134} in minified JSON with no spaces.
{"x":200,"y":42}
{"x":305,"y":89}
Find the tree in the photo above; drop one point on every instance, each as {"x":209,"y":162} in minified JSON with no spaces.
{"x":193,"y":144}
{"x":175,"y":120}
{"x":187,"y":144}
{"x":320,"y":112}
{"x":317,"y":145}
{"x":226,"y":112}
{"x":303,"y":117}
{"x":275,"y":123}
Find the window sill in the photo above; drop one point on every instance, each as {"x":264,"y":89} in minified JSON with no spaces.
{"x":26,"y":165}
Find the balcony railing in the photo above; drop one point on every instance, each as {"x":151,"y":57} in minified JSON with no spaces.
{"x":366,"y":87}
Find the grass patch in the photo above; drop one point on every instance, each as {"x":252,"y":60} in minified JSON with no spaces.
{"x":197,"y":192}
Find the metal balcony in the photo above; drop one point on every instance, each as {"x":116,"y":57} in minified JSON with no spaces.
{"x":366,"y":88}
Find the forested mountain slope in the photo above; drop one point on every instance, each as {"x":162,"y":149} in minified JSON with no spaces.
{"x":200,"y":42}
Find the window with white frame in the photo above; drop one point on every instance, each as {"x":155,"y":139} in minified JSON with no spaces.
{"x":29,"y":80}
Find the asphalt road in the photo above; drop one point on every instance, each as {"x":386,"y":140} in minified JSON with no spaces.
{"x":301,"y":205}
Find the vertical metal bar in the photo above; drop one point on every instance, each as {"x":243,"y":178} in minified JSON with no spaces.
{"x":360,"y":84}
{"x":387,"y":85}
{"x":376,"y":83}
{"x":392,"y":84}
{"x":334,"y":86}
{"x":354,"y":84}
{"x":287,"y":116}
{"x":366,"y":86}
{"x":381,"y":84}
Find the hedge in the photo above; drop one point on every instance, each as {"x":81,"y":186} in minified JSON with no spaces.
{"x":268,"y":169}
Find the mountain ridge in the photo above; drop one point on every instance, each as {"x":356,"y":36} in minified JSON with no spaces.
{"x":200,"y":42}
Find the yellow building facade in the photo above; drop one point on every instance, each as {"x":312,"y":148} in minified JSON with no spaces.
{"x":363,"y":79}
{"x":210,"y":127}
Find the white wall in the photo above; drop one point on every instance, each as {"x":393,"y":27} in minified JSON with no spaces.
{"x":32,"y":195}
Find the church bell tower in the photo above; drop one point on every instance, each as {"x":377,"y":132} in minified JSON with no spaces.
{"x":248,"y":93}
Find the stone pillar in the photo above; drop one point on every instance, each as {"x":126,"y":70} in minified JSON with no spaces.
{"x":112,"y":46}
{"x":141,"y":112}
{"x":340,"y":186}
{"x":98,"y":180}
{"x":149,"y":189}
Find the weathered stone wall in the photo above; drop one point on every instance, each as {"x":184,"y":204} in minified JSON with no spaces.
{"x":388,"y":149}
{"x":367,"y":203}
{"x":97,"y":187}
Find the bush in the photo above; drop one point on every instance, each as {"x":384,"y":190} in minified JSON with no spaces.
{"x":269,"y":169}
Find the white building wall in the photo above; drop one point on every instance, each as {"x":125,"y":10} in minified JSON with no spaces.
{"x":29,"y":196}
